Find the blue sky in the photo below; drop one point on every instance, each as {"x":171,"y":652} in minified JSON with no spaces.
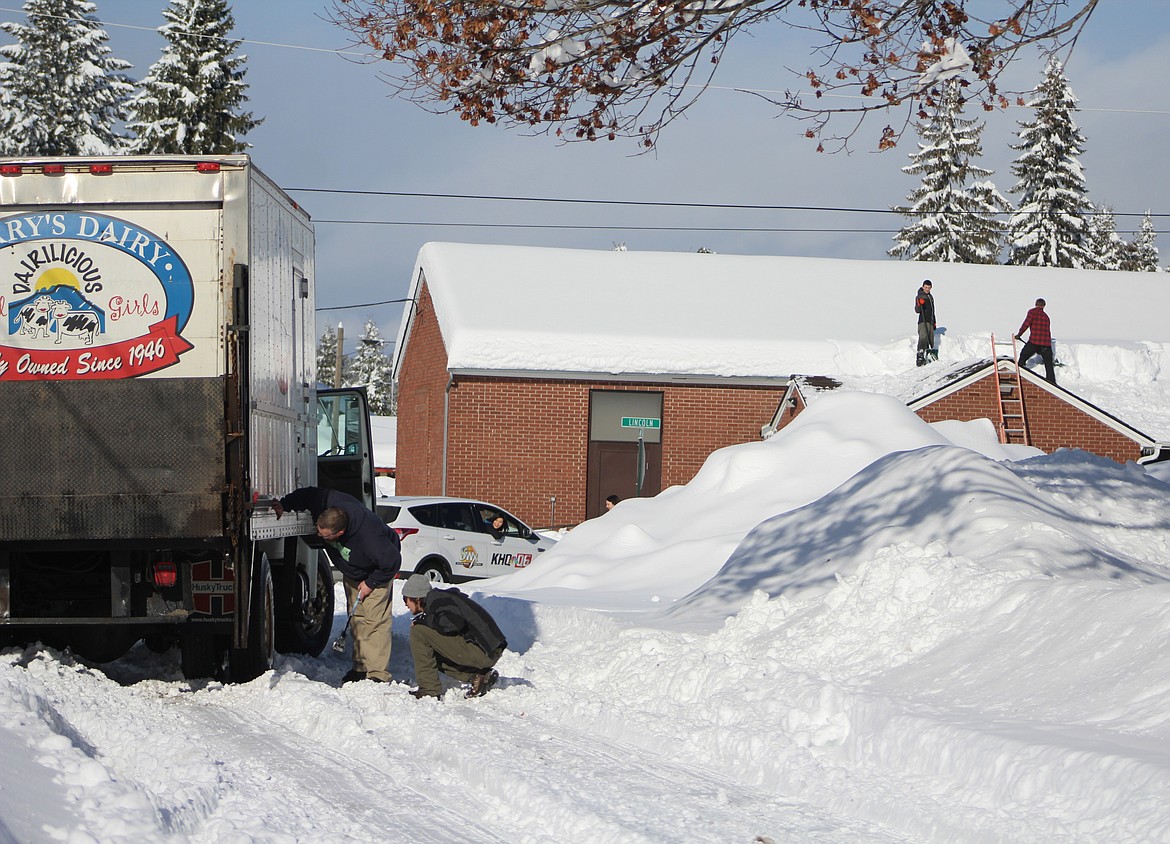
{"x":331,"y":123}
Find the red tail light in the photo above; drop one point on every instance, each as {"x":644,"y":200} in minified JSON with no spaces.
{"x":404,"y":532}
{"x":165,"y":575}
{"x":207,"y":167}
{"x":10,"y":170}
{"x":53,"y":169}
{"x":101,"y":169}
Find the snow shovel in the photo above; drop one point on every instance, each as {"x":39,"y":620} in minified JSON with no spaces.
{"x":339,"y":642}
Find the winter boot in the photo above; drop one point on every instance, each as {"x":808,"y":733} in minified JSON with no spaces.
{"x":480,"y":683}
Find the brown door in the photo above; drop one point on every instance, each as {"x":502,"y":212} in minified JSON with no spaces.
{"x":613,"y":470}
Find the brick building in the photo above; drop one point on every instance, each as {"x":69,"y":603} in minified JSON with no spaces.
{"x":546,"y":379}
{"x":551,"y":446}
{"x":1052,"y":418}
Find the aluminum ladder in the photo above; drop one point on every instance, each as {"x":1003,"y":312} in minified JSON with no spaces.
{"x":1009,"y":394}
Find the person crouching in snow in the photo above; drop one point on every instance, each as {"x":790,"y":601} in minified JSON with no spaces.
{"x":453,"y":634}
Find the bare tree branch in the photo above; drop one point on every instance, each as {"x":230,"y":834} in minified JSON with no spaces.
{"x":589,"y":69}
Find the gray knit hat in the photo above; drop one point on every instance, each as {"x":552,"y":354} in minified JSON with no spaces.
{"x":416,"y":586}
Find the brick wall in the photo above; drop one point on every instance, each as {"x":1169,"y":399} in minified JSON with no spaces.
{"x":1052,"y":422}
{"x":518,"y":441}
{"x":422,"y":380}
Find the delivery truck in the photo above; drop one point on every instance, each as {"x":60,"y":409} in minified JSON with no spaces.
{"x":158,"y":388}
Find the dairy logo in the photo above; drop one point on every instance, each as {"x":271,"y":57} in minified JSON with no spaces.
{"x":88,"y":296}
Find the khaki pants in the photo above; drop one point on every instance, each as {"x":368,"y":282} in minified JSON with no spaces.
{"x":453,"y":655}
{"x":371,"y":630}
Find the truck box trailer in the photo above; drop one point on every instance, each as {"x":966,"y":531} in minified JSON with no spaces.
{"x":158,"y":387}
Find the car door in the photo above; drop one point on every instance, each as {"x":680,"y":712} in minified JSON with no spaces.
{"x":466,"y":543}
{"x":515,"y":549}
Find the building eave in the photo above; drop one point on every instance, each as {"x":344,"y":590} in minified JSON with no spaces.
{"x":666,"y":378}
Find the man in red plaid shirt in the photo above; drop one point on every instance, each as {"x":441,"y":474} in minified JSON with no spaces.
{"x":1039,"y":339}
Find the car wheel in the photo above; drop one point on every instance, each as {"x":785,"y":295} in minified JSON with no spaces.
{"x":437,"y":571}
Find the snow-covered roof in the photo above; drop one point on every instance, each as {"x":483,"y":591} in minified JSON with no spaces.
{"x":519,"y":308}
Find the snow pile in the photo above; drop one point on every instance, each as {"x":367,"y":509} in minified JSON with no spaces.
{"x":619,"y":559}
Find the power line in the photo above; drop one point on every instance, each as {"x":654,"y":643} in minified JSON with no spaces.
{"x":644,"y":203}
{"x":365,"y":304}
{"x":615,"y":227}
{"x":141,"y":28}
{"x":619,"y":227}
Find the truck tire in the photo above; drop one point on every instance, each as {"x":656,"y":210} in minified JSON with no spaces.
{"x":303,"y":624}
{"x":249,"y":663}
{"x":437,"y":572}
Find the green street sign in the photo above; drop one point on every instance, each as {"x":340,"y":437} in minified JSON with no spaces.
{"x":640,"y":422}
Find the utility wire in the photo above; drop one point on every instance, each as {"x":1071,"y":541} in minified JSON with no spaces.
{"x":102,"y":23}
{"x":364,"y":305}
{"x":721,"y":206}
{"x":620,"y":227}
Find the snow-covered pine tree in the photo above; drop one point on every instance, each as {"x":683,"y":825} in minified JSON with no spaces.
{"x":191,"y":99}
{"x":327,"y":356}
{"x":1103,"y":242}
{"x":1049,"y":227}
{"x":63,"y":90}
{"x":371,"y":368}
{"x":1141,"y":254}
{"x":953,"y":221}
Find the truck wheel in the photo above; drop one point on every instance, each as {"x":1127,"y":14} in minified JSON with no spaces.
{"x":303,"y":624}
{"x":437,"y":571}
{"x":250,"y":662}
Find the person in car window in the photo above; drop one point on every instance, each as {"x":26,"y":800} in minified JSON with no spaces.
{"x":368,"y":554}
{"x":451,"y":633}
{"x":496,"y":528}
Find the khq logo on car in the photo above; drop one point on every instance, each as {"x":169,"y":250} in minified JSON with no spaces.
{"x":517,"y":560}
{"x":468,"y":556}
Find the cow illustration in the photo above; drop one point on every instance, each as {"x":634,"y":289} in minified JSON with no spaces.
{"x":74,"y":323}
{"x":34,"y":319}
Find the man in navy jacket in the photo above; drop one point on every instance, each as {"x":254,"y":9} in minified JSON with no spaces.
{"x":368,"y":554}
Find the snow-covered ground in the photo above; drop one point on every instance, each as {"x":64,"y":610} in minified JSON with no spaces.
{"x":854,"y":631}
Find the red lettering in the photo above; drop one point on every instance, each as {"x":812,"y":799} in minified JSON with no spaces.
{"x":145,"y":306}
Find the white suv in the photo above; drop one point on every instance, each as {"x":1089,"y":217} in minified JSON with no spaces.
{"x":451,"y":540}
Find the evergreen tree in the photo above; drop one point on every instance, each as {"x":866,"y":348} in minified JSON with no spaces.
{"x":1049,"y":227}
{"x":1141,"y":254}
{"x":953,"y":221}
{"x":1103,"y":242}
{"x":63,"y":92}
{"x":190,"y":101}
{"x":371,"y":368}
{"x":327,"y":356}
